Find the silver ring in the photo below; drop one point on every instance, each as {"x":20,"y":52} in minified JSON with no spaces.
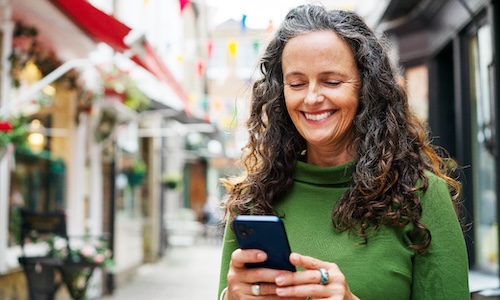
{"x":256,"y":289}
{"x":324,"y":276}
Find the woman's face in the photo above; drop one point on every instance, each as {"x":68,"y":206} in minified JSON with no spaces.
{"x":321,"y":87}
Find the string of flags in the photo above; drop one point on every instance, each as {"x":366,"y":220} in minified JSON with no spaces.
{"x":183,"y":4}
{"x":218,"y":110}
{"x":230,"y":50}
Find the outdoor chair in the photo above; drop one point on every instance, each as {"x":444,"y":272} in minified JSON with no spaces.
{"x":45,"y":273}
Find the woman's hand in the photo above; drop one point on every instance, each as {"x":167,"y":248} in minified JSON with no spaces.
{"x":307,"y":283}
{"x":240,"y":279}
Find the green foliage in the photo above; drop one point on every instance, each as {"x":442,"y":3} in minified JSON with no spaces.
{"x":139,"y":166}
{"x":172,"y":180}
{"x":13,"y":131}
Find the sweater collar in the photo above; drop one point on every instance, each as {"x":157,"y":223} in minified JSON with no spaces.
{"x":337,"y":175}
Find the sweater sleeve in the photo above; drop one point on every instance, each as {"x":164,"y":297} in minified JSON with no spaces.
{"x":229,"y":244}
{"x":441,"y":272}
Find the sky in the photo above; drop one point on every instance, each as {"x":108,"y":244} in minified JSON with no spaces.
{"x":259,"y":12}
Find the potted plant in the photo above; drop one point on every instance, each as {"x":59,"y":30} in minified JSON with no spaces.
{"x":79,"y":261}
{"x":171,"y":180}
{"x":136,"y":172}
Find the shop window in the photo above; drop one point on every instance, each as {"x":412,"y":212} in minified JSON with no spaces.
{"x":37,"y":184}
{"x":417,"y":78}
{"x":38,"y":179}
{"x":483,"y":157}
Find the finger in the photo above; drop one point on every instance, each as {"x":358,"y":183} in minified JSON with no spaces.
{"x":266,"y":289}
{"x":261,"y":291}
{"x":266,"y":283}
{"x":308,"y":283}
{"x":268,"y":292}
{"x":300,"y":278}
{"x":302,"y":291}
{"x":244,"y":278}
{"x":307,"y":262}
{"x":239,"y":257}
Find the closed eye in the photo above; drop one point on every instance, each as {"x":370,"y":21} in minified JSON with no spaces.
{"x":296,"y":85}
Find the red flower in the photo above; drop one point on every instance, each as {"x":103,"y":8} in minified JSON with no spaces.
{"x":5,"y":126}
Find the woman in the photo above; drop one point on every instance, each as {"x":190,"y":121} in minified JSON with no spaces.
{"x":335,"y":151}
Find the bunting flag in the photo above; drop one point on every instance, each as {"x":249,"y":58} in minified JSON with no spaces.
{"x":270,"y":26}
{"x":231,"y":47}
{"x":200,"y":67}
{"x":210,"y":49}
{"x":243,"y":23}
{"x":256,"y":46}
{"x":205,"y":106}
{"x":183,"y":4}
{"x":217,"y":110}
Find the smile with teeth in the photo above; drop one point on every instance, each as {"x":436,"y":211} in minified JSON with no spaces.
{"x":318,"y":117}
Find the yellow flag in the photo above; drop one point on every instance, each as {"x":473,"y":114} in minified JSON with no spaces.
{"x":231,"y":47}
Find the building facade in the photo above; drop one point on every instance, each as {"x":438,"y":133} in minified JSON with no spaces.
{"x":450,"y":46}
{"x":103,"y":84}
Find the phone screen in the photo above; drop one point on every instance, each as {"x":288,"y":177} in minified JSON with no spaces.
{"x":268,"y":234}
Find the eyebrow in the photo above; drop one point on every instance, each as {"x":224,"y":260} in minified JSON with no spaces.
{"x":322,"y":73}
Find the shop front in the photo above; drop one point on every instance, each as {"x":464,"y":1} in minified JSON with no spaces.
{"x":455,"y":42}
{"x":72,"y":109}
{"x":35,"y":166}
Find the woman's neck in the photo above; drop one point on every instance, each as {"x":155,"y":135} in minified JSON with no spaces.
{"x":328,"y":158}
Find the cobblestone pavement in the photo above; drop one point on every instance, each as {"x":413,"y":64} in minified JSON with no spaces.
{"x":184,"y":273}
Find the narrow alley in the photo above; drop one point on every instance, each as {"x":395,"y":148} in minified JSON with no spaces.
{"x":184,"y":273}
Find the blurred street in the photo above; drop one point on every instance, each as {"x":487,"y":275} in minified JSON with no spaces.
{"x":184,"y":273}
{"x":112,"y":124}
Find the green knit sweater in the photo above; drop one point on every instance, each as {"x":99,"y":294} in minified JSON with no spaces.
{"x":385,"y":267}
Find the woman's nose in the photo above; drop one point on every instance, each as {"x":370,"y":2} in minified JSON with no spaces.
{"x":314,"y":95}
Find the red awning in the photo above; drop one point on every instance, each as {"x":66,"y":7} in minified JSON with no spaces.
{"x":153,"y":63}
{"x":105,"y":28}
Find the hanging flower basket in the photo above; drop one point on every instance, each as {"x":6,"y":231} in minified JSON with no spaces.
{"x":106,"y":123}
{"x":113,"y":95}
{"x":134,"y":178}
{"x":118,"y":86}
{"x":172,"y":180}
{"x":135,"y":173}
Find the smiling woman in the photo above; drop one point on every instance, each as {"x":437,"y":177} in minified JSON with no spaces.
{"x":335,"y":151}
{"x":322,"y":99}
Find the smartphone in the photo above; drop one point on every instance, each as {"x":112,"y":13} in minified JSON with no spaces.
{"x":268,"y":234}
